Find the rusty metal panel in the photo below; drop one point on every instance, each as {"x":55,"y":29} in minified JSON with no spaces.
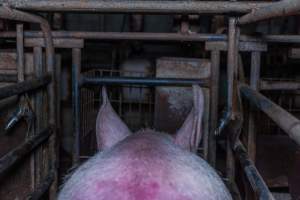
{"x":172,"y":104}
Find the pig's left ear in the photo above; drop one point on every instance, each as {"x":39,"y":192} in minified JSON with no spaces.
{"x":189,"y":135}
{"x":110,"y":129}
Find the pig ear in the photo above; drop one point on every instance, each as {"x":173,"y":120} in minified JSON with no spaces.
{"x":189,"y":135}
{"x":110,"y":129}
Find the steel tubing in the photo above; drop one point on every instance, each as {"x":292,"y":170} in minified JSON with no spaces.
{"x":279,"y":85}
{"x":194,"y":37}
{"x":277,"y":9}
{"x":256,"y":181}
{"x":8,"y":78}
{"x":286,"y":121}
{"x":137,"y":6}
{"x":23,"y":87}
{"x":143,"y":81}
{"x":16,"y":155}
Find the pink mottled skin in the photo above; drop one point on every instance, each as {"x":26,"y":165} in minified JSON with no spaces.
{"x":147,"y":165}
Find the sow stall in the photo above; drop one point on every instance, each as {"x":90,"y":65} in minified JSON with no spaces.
{"x":34,"y":81}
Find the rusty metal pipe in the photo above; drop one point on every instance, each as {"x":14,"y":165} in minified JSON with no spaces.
{"x":253,"y":176}
{"x":286,"y":121}
{"x":195,"y":37}
{"x":279,"y":85}
{"x":17,"y":155}
{"x":143,"y":81}
{"x":8,"y":78}
{"x":23,"y":87}
{"x":276,"y":9}
{"x":122,"y":36}
{"x":137,"y":6}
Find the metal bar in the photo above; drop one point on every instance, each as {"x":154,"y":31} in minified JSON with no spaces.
{"x":214,"y":92}
{"x":76,"y":70}
{"x":143,"y":81}
{"x":286,"y":121}
{"x":138,"y":6}
{"x":17,"y":155}
{"x":254,"y":81}
{"x":279,"y":85}
{"x":43,"y":187}
{"x":122,"y":36}
{"x":231,"y":61}
{"x":58,"y":43}
{"x":20,"y":53}
{"x":8,"y":78}
{"x":23,"y":87}
{"x":231,"y":67}
{"x":243,"y":46}
{"x":192,"y":37}
{"x":39,"y":111}
{"x":277,"y":9}
{"x":253,"y":176}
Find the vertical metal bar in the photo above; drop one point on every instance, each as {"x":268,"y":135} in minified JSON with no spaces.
{"x":254,"y":80}
{"x":20,"y":52}
{"x":214,"y":96}
{"x":52,"y":120}
{"x":76,"y":69}
{"x":39,"y":110}
{"x":58,"y":91}
{"x":231,"y":67}
{"x":206,"y":126}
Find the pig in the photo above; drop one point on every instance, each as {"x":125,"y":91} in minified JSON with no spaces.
{"x":147,"y":165}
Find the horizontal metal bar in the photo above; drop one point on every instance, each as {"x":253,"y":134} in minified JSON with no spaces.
{"x":279,"y":85}
{"x":11,"y":76}
{"x":8,"y":78}
{"x":142,"y":81}
{"x":17,"y":155}
{"x":243,"y":46}
{"x":44,"y":186}
{"x":256,"y":181}
{"x":58,"y":43}
{"x":137,"y":6}
{"x":286,"y":121}
{"x":23,"y":87}
{"x":277,"y":9}
{"x":146,"y":36}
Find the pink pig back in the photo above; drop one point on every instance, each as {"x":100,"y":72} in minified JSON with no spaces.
{"x":145,"y":166}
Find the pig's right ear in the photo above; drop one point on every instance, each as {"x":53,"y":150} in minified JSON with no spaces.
{"x":110,"y":129}
{"x":189,"y":135}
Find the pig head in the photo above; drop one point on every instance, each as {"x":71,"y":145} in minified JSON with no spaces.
{"x":147,"y":165}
